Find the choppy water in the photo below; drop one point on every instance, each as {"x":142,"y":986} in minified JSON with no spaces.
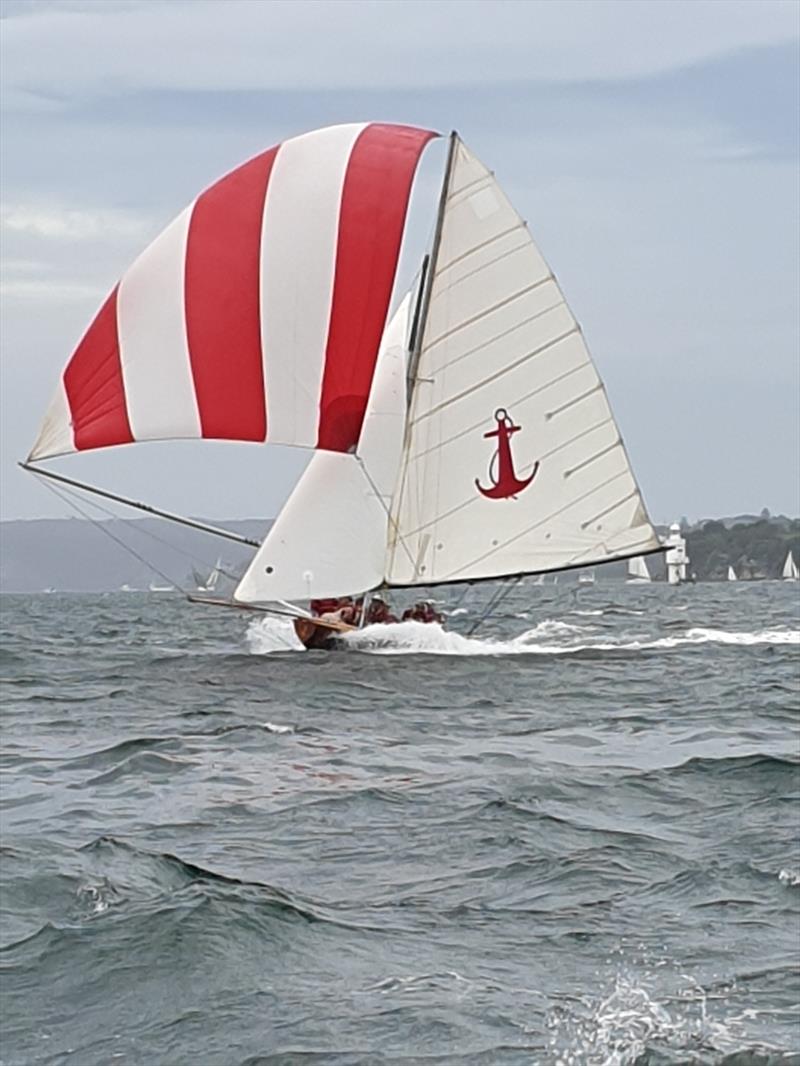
{"x":572,"y":840}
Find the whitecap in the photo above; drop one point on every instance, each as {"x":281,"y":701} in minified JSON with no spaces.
{"x":271,"y":633}
{"x":414,"y":638}
{"x":548,"y":637}
{"x":618,"y":1030}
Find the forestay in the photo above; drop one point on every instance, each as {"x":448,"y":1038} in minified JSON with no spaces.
{"x":330,"y":538}
{"x":257,"y":314}
{"x":513,"y":462}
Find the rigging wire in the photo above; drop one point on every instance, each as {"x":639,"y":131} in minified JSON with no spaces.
{"x":392,"y":525}
{"x":495,"y":600}
{"x":70,"y":497}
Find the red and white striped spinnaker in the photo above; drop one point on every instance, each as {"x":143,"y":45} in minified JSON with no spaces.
{"x":257,"y":314}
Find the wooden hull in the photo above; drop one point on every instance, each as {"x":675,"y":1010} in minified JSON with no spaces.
{"x":316,"y":633}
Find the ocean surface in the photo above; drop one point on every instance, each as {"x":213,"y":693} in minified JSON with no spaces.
{"x":570,"y":838}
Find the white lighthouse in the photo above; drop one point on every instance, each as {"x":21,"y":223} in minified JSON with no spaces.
{"x":676,"y":558}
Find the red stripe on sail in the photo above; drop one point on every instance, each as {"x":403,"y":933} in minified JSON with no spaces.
{"x":94,"y":385}
{"x":374,"y":202}
{"x":222,"y":298}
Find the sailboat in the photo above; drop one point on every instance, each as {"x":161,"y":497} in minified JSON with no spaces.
{"x":208,"y":584}
{"x":790,"y":571}
{"x":465,"y":438}
{"x":731,"y":574}
{"x":586,"y":577}
{"x":638,"y":574}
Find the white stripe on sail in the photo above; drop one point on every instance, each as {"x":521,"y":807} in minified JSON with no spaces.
{"x":55,"y":436}
{"x":151,"y":320}
{"x":298,"y":266}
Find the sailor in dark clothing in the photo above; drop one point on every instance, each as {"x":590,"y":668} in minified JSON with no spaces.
{"x":379,"y":613}
{"x":422,"y":612}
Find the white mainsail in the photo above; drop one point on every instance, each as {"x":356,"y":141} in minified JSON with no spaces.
{"x":330,"y":538}
{"x":637,"y":570}
{"x":731,"y":574}
{"x":790,"y":571}
{"x":504,"y":369}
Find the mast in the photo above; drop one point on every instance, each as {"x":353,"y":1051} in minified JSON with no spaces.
{"x":421,"y":317}
{"x":179,"y":519}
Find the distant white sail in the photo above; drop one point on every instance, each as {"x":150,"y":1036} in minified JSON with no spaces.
{"x":213,"y":578}
{"x":637,"y":570}
{"x":330,"y":537}
{"x":512,"y":462}
{"x":731,"y":574}
{"x":790,"y":571}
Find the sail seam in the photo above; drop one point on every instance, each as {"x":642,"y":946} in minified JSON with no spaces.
{"x":546,"y":455}
{"x":458,"y":194}
{"x":592,"y":459}
{"x":571,"y":403}
{"x":610,"y":508}
{"x":496,"y":377}
{"x":541,"y":522}
{"x":480,"y":247}
{"x":451,"y":285}
{"x":501,"y":335}
{"x":489,"y":311}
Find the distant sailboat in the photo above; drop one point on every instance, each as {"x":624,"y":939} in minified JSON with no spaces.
{"x":790,"y":571}
{"x":208,"y":584}
{"x":586,"y":577}
{"x":731,"y":574}
{"x":638,"y":574}
{"x":153,"y":587}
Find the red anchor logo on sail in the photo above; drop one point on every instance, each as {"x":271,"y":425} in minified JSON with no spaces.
{"x":506,"y":484}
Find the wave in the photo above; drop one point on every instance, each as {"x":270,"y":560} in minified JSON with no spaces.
{"x":726,"y":764}
{"x":630,"y":1027}
{"x":271,"y":634}
{"x":121,"y":751}
{"x":549,"y":637}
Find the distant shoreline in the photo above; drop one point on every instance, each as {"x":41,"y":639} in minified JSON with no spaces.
{"x":73,"y":555}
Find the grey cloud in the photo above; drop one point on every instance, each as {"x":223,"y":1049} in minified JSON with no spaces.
{"x":240,"y":44}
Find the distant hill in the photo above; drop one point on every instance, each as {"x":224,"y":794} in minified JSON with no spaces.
{"x":73,"y":555}
{"x":755,"y":549}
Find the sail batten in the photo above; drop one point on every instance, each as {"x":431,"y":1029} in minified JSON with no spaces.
{"x":257,"y":313}
{"x":513,"y":462}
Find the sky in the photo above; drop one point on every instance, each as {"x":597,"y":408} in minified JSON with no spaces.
{"x":651,"y":146}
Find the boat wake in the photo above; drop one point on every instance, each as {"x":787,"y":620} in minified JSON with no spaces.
{"x":629,"y":1026}
{"x":549,"y":637}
